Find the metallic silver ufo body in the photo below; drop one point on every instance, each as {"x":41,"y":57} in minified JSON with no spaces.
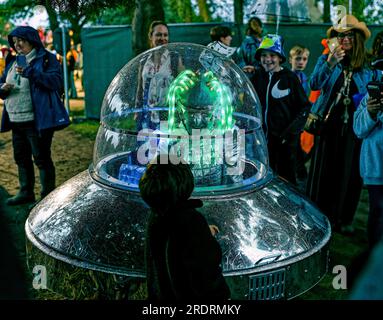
{"x":89,"y":233}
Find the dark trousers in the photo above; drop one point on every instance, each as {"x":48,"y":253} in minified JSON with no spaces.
{"x":375,"y":217}
{"x":27,"y":143}
{"x":283,"y":156}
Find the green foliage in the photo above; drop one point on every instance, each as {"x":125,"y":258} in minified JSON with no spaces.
{"x":116,"y":16}
{"x":373,"y":13}
{"x":86,"y":129}
{"x":179,"y":11}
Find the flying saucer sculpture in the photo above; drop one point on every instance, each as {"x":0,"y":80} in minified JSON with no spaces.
{"x":89,"y":232}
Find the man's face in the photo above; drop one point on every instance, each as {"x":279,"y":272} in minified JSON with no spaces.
{"x":299,"y":61}
{"x":270,"y":61}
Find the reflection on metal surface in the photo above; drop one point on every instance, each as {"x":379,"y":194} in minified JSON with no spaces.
{"x":93,"y":226}
{"x":103,"y":226}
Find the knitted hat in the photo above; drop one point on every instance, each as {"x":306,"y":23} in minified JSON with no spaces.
{"x":273,"y":43}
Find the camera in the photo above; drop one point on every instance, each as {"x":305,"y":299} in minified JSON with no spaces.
{"x":374,"y":90}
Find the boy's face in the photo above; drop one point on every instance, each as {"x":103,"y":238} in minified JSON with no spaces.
{"x":299,"y":61}
{"x":226,"y":40}
{"x":270,"y":61}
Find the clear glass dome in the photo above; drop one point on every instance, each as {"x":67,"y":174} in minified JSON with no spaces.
{"x":187,"y":101}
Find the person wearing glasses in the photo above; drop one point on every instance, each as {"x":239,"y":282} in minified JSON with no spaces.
{"x":334,"y":183}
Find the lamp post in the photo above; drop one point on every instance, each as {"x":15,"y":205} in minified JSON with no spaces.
{"x":65,"y":66}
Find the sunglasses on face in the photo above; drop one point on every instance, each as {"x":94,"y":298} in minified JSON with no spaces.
{"x":349,"y":36}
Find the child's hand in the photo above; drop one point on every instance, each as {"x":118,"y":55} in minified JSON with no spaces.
{"x":213,"y":229}
{"x":249,"y":69}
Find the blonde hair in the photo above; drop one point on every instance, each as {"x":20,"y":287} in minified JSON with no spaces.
{"x":297,"y":50}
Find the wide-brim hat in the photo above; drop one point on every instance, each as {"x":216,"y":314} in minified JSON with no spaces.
{"x":273,"y":43}
{"x":349,"y":22}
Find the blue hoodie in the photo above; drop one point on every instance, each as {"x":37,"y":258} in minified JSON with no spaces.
{"x":371,"y":155}
{"x":45,"y":80}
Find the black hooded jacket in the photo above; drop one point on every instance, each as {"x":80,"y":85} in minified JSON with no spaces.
{"x":28,"y":33}
{"x":285,"y":105}
{"x":182,"y":257}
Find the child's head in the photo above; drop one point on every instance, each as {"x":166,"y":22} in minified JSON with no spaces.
{"x":222,"y":34}
{"x":299,"y":57}
{"x":270,"y":52}
{"x":164,"y":185}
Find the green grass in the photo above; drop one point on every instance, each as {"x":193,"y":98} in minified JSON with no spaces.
{"x":86,"y":128}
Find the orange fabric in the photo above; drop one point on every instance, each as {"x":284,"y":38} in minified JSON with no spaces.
{"x":326,"y":50}
{"x":307,"y":141}
{"x":314,"y":95}
{"x":73,"y":52}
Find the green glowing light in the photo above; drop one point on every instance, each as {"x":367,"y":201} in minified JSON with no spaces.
{"x":177,"y":97}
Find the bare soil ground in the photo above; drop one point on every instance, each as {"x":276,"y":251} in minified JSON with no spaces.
{"x":71,"y":153}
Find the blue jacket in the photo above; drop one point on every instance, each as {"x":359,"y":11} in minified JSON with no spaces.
{"x":371,"y":155}
{"x":246,"y":52}
{"x":45,"y":80}
{"x":324,"y":78}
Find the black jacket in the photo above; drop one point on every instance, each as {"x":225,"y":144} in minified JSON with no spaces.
{"x":284,"y":103}
{"x":183,"y":258}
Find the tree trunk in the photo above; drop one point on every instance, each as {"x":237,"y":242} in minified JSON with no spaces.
{"x":326,"y":10}
{"x":52,"y":15}
{"x":188,"y":10}
{"x":204,"y":10}
{"x":146,"y":11}
{"x":238,"y":12}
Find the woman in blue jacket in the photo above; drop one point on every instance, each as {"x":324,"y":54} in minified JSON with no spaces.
{"x":334,"y":182}
{"x":32,"y":110}
{"x":368,"y":125}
